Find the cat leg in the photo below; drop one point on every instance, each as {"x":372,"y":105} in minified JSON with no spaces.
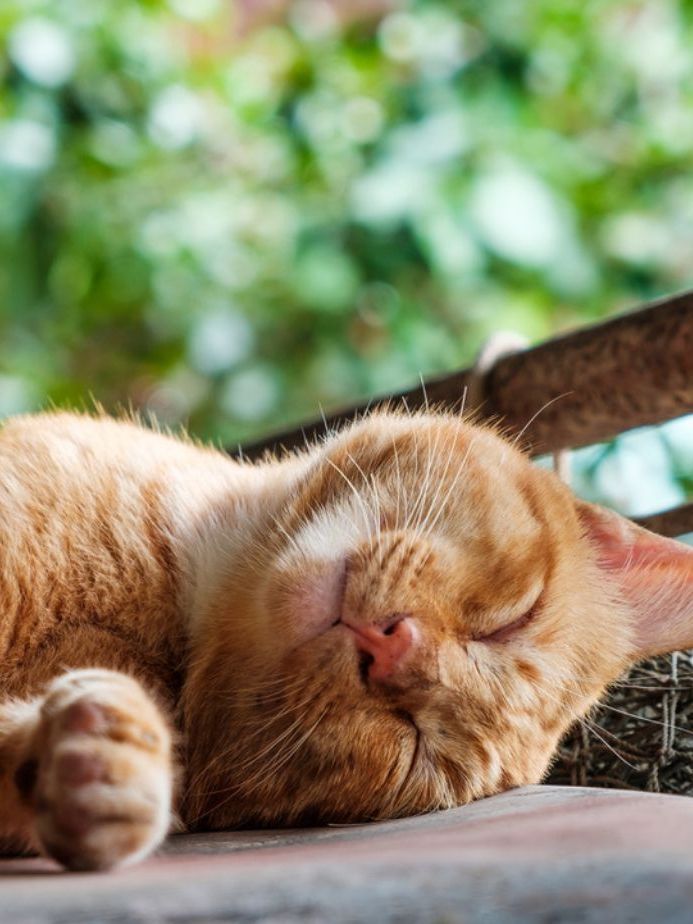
{"x":91,"y":767}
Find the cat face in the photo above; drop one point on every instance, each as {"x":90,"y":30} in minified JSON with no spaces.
{"x":415,"y":627}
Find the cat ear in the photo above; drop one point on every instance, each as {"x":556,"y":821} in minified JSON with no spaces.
{"x":655,"y":576}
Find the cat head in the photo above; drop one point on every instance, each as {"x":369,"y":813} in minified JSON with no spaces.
{"x":414,"y":625}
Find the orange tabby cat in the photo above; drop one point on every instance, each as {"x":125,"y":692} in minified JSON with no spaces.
{"x":402,"y":619}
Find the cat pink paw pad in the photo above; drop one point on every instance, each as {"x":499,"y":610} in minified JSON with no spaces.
{"x":77,"y":768}
{"x":85,"y":718}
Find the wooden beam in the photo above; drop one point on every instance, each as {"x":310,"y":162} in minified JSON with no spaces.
{"x":675,"y":522}
{"x":580,"y":388}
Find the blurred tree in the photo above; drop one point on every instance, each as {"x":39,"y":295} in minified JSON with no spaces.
{"x":229,"y":215}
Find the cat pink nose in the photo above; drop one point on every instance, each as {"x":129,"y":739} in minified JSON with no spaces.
{"x":386,"y":645}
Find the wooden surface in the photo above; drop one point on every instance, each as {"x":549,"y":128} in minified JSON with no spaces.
{"x":673,"y":523}
{"x":539,"y":854}
{"x":574,"y":390}
{"x":580,"y":388}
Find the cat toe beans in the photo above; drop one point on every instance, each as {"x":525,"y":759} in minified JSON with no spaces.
{"x":101,"y":773}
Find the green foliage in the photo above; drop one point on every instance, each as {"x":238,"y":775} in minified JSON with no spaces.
{"x":231,"y":233}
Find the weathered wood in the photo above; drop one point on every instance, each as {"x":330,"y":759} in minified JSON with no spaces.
{"x":672,"y":523}
{"x":528,"y":856}
{"x":576,"y":389}
{"x":631,"y":371}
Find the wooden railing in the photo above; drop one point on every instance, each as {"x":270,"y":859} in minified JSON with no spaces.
{"x":580,"y":388}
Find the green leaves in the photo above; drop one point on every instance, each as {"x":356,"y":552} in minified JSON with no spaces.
{"x":230,"y":223}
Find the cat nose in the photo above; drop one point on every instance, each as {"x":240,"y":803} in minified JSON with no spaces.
{"x":385,"y":645}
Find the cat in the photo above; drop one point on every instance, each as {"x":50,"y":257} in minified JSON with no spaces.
{"x":400,"y":619}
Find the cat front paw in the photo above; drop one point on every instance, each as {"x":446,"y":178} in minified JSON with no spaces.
{"x":100,"y":773}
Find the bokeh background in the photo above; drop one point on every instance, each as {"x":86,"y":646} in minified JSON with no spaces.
{"x":228,"y":215}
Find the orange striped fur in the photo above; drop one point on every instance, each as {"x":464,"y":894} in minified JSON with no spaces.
{"x":154,"y":598}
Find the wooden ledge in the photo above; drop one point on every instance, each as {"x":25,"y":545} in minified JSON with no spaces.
{"x":531,"y":855}
{"x":582,"y":387}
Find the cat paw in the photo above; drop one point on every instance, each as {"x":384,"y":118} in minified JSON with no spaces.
{"x":100,"y":774}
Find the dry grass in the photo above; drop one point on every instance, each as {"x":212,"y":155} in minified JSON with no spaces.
{"x":641,"y":737}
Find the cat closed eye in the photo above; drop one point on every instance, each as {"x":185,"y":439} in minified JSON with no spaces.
{"x":509,"y":629}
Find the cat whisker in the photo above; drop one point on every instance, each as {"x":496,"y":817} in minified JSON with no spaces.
{"x":411,"y":516}
{"x":534,"y":416}
{"x":582,"y":720}
{"x":642,"y":718}
{"x":269,"y":747}
{"x":635,"y":716}
{"x":407,"y":498}
{"x":378,"y":520}
{"x":593,"y":728}
{"x":224,"y":755}
{"x":375,"y":511}
{"x":429,"y":524}
{"x":398,"y":481}
{"x":453,"y":485}
{"x":287,"y":535}
{"x":667,"y":726}
{"x":257,"y":780}
{"x":266,"y":690}
{"x":355,"y":492}
{"x":463,"y":402}
{"x":329,"y":431}
{"x":418,"y":507}
{"x":441,"y":481}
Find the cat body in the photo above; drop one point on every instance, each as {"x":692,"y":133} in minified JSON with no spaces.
{"x":100,"y":524}
{"x":401,"y":619}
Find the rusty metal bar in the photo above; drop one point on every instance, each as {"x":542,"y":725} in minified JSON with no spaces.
{"x":580,"y":388}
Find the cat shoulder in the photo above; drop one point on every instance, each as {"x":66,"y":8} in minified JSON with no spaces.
{"x":97,"y":432}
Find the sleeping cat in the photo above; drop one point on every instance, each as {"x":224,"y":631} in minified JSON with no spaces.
{"x":401,"y":619}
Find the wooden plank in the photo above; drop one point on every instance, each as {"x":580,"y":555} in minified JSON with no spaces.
{"x":580,"y":388}
{"x":528,"y":856}
{"x":674,"y":522}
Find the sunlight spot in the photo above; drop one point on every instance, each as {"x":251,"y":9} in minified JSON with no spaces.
{"x":42,"y":51}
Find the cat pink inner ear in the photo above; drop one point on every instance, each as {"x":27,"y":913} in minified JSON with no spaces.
{"x":655,"y":576}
